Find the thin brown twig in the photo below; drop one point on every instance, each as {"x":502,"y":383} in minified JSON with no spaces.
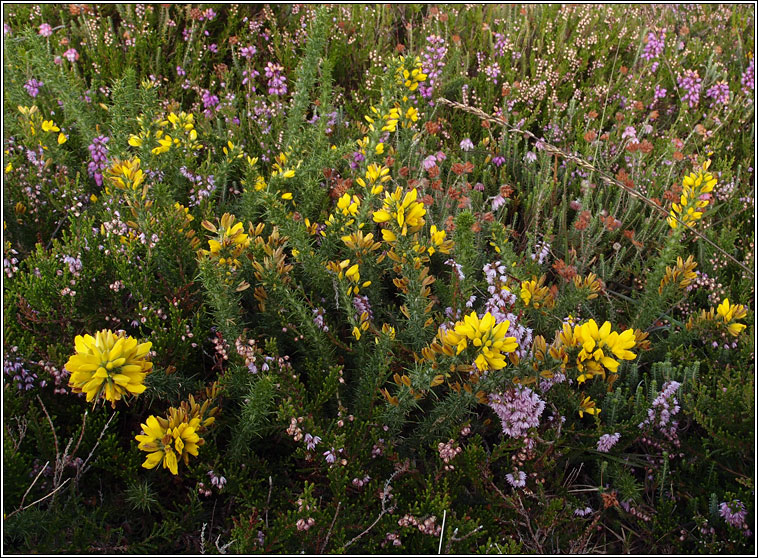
{"x":50,"y":421}
{"x":45,"y":497}
{"x":84,"y":468}
{"x":385,"y":509}
{"x":329,"y":533}
{"x":549,"y":148}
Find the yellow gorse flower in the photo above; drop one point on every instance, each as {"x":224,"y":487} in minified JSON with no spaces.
{"x":376,"y":175}
{"x":169,"y":440}
{"x":127,"y":175}
{"x":49,"y":126}
{"x":724,"y":316}
{"x":349,"y":205}
{"x":681,"y":275}
{"x":694,"y":186}
{"x":438,"y":241}
{"x":485,"y":334}
{"x":533,"y":293}
{"x":401,"y":210}
{"x":597,"y":347}
{"x":230,"y":242}
{"x":729,"y":313}
{"x":588,"y":406}
{"x":108,"y":366}
{"x":411,"y":78}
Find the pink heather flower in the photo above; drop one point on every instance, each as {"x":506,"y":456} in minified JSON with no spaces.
{"x":519,"y":410}
{"x":45,"y":30}
{"x":430,"y":162}
{"x":733,"y":512}
{"x":719,"y":93}
{"x":440,"y":156}
{"x":607,"y":441}
{"x":630,"y":133}
{"x":71,"y":55}
{"x":530,"y":157}
{"x":497,"y":202}
{"x":248,"y":51}
{"x":467,"y":144}
{"x":517,"y":481}
{"x":579,"y":512}
{"x":330,"y":456}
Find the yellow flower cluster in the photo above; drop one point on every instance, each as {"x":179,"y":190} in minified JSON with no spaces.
{"x":411,"y":78}
{"x":127,"y":175}
{"x":229,"y":244}
{"x":487,"y":336}
{"x":34,"y":119}
{"x":682,"y":274}
{"x":182,"y":127}
{"x":591,"y":284}
{"x":376,"y":175}
{"x":726,"y":316}
{"x":343,"y":269}
{"x":534,"y":293}
{"x":690,"y":206}
{"x":108,"y":365}
{"x":404,"y":211}
{"x":438,"y":241}
{"x":388,"y":120}
{"x":597,"y":347}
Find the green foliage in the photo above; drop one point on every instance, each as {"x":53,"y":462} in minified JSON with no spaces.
{"x":334,"y":410}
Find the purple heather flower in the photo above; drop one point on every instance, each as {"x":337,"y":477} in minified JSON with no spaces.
{"x":630,"y":133}
{"x":311,"y":442}
{"x":607,"y":441}
{"x":318,"y":319}
{"x":691,"y":83}
{"x":209,"y":101}
{"x":733,"y":512}
{"x":519,"y":410}
{"x":361,"y":304}
{"x":497,"y":202}
{"x":276,"y":82}
{"x":664,"y":406}
{"x":432,"y":64}
{"x":517,"y":481}
{"x":330,"y":456}
{"x":498,"y":160}
{"x":248,"y":51}
{"x":541,"y":251}
{"x":655,"y":45}
{"x":579,"y":512}
{"x":467,"y":144}
{"x":719,"y":92}
{"x":180,"y":71}
{"x":458,"y":268}
{"x":32,"y":87}
{"x":99,"y":153}
{"x":45,"y":30}
{"x":748,"y":78}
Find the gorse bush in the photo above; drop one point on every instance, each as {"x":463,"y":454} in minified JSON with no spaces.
{"x":418,"y":279}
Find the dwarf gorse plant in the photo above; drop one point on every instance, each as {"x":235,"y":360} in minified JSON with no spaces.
{"x":378,"y":278}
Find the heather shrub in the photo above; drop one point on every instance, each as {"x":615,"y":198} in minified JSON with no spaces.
{"x":375,"y":279}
